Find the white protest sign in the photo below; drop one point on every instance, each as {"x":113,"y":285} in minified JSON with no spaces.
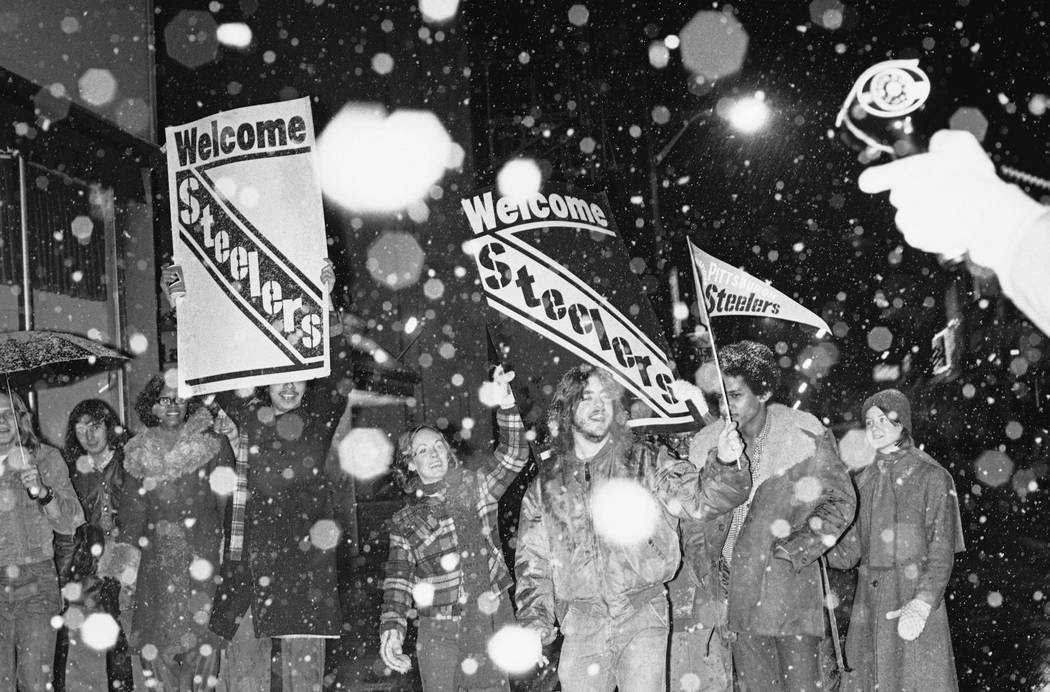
{"x":248,"y":230}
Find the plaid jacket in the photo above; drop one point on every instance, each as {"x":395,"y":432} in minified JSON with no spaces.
{"x":419,"y":540}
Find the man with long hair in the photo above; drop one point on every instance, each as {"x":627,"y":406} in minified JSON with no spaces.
{"x":36,"y":501}
{"x":597,"y":536}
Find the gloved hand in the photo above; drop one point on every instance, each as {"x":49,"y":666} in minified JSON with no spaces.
{"x":950,"y":201}
{"x":390,"y":642}
{"x":912,"y":618}
{"x":501,"y":381}
{"x":687,"y":391}
{"x":730,"y":444}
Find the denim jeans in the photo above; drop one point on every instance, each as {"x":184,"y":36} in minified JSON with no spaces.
{"x":627,"y":652}
{"x":778,"y":664}
{"x":29,"y":598}
{"x":701,"y":661}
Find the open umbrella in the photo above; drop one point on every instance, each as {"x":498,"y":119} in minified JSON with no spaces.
{"x":29,"y":351}
{"x":26,"y":352}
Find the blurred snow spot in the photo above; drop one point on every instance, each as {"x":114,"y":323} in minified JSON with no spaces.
{"x":290,"y":426}
{"x":993,"y":468}
{"x":395,"y":260}
{"x":74,"y":617}
{"x":190,"y":38}
{"x":515,"y":649}
{"x":383,"y":63}
{"x":325,"y":534}
{"x":201,"y":569}
{"x":133,"y":115}
{"x":880,"y":339}
{"x":593,"y":669}
{"x":1024,"y":482}
{"x":82,"y":227}
{"x":149,"y":652}
{"x":234,"y":34}
{"x":365,"y":453}
{"x":469,"y":666}
{"x":423,"y":594}
{"x":97,"y":86}
{"x":1037,"y":104}
{"x":99,"y":631}
{"x":659,"y":55}
{"x":690,"y":682}
{"x":488,"y":603}
{"x":1014,"y":430}
{"x":911,"y":571}
{"x":587,"y":145}
{"x":72,"y":591}
{"x":433,"y":289}
{"x":374,"y":163}
{"x":69,"y":25}
{"x":672,"y":41}
{"x":780,"y":528}
{"x":578,"y":15}
{"x":624,"y":513}
{"x":886,"y":536}
{"x":519,"y":179}
{"x":661,"y":115}
{"x":970,"y":119}
{"x":826,"y":13}
{"x":438,"y":10}
{"x":449,"y":561}
{"x":713,"y":44}
{"x":490,"y":394}
{"x":57,"y":622}
{"x":138,"y":343}
{"x":995,"y":599}
{"x":223,"y":480}
{"x":808,"y":489}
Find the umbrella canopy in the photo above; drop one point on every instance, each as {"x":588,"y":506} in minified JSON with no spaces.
{"x":28,"y":351}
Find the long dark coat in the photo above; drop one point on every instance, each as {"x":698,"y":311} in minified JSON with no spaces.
{"x":809,"y":488}
{"x":926,"y":534}
{"x":289,"y":583}
{"x":181,"y":522}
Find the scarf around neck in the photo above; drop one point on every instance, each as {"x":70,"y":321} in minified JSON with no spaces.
{"x":158,"y":455}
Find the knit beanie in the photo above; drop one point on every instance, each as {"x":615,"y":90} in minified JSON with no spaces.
{"x":893,"y":403}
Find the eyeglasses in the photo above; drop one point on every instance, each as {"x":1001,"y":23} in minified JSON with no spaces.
{"x":171,"y":401}
{"x":85,"y":427}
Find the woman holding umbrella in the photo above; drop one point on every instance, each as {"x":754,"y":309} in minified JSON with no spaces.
{"x":36,"y":501}
{"x":171,"y":512}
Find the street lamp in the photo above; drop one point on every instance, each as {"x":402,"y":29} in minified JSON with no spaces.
{"x":749,"y":114}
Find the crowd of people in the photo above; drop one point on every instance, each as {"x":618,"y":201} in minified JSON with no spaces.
{"x":237,"y":589}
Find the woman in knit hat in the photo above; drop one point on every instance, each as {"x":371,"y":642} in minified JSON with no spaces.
{"x":904,"y":538}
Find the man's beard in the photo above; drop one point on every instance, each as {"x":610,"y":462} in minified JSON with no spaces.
{"x":592,"y":436}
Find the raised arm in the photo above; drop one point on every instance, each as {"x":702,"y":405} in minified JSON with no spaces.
{"x":512,"y":454}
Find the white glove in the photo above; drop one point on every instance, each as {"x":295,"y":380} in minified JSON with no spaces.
{"x":730,"y":444}
{"x":950,"y":201}
{"x":390,"y":642}
{"x":687,"y":391}
{"x":912,"y":619}
{"x":501,"y":381}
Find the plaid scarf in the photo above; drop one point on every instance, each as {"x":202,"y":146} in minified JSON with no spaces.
{"x":235,"y":545}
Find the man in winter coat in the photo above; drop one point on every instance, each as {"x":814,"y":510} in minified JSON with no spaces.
{"x":278,"y":579}
{"x":802,"y":499}
{"x":36,"y":501}
{"x":597,"y":537}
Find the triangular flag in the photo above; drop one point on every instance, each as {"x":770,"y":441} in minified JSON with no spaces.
{"x":727,"y":290}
